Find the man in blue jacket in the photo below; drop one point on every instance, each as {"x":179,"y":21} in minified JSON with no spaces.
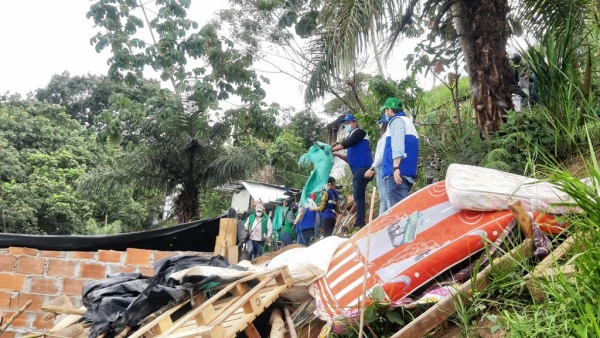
{"x":360,"y":158}
{"x":401,"y":152}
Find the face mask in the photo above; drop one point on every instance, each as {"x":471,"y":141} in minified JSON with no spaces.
{"x":348,"y":127}
{"x":259,"y":213}
{"x":294,"y":209}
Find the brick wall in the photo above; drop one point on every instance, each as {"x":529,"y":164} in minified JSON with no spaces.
{"x":44,"y":275}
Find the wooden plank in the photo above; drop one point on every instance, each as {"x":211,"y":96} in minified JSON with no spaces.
{"x":198,"y":301}
{"x":251,"y":331}
{"x":444,"y":309}
{"x":69,"y":310}
{"x":543,"y":269}
{"x":238,"y":288}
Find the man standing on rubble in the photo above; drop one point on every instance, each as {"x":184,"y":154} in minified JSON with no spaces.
{"x":360,"y":158}
{"x":260,"y":229}
{"x":401,"y":152}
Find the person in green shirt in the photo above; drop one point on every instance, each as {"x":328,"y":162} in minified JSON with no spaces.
{"x":288,"y":234}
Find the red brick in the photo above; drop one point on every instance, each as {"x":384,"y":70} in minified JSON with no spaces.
{"x":5,"y":300}
{"x":109,"y":256}
{"x":7,"y":263}
{"x":46,"y":286}
{"x":8,"y":334}
{"x":138,"y":257}
{"x":40,"y":323}
{"x":36,"y":301}
{"x":12,"y":281}
{"x":20,"y":321}
{"x":74,"y":287}
{"x":90,"y":270}
{"x":31,"y":265}
{"x":147,"y":271}
{"x":22,"y":251}
{"x":53,"y":254}
{"x":82,"y":255}
{"x":158,"y":255}
{"x":61,"y":267}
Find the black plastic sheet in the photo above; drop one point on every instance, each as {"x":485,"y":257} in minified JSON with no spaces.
{"x":194,"y":236}
{"x":123,"y":300}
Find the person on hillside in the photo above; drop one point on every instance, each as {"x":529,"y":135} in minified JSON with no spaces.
{"x":288,"y":235}
{"x":360,"y":158}
{"x":329,"y":207}
{"x":377,"y":167}
{"x":260,"y":229}
{"x":518,"y":81}
{"x":305,"y":222}
{"x":401,"y":152}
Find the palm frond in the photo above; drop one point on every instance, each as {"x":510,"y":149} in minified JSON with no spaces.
{"x":237,"y":163}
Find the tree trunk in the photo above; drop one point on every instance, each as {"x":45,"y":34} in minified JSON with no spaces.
{"x":187,"y":205}
{"x":487,"y":61}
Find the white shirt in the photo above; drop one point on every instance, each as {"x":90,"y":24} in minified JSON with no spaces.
{"x":256,"y":228}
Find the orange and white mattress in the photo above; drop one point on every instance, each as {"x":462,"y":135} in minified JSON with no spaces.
{"x":483,"y":189}
{"x":410,"y":244}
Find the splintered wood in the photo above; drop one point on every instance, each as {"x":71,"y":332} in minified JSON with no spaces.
{"x":225,"y":241}
{"x":224,"y":314}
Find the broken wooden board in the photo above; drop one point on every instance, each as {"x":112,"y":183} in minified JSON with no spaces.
{"x":545,"y":271}
{"x":225,"y":241}
{"x":444,"y":309}
{"x":224,"y":314}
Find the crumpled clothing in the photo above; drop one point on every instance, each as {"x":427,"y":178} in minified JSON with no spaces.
{"x":321,"y":156}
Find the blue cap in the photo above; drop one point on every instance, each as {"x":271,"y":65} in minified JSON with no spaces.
{"x":382,"y":119}
{"x":349,"y":117}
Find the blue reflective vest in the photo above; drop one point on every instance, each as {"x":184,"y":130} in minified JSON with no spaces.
{"x":359,"y":155}
{"x":408,"y":165}
{"x":307,"y":222}
{"x":332,"y":200}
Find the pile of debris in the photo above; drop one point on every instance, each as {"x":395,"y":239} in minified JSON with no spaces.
{"x":422,"y":252}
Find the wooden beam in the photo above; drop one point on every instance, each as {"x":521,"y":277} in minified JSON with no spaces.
{"x":445,"y":308}
{"x":64,"y":309}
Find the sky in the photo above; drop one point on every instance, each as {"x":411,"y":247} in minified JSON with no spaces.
{"x":40,"y":38}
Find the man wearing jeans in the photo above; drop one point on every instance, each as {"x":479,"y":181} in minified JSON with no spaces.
{"x":360,"y":158}
{"x":401,"y":152}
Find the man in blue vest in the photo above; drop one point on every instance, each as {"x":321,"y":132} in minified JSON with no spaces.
{"x":401,"y":152}
{"x":260,"y":229}
{"x":305,"y":222}
{"x":329,"y":207}
{"x":360,"y":158}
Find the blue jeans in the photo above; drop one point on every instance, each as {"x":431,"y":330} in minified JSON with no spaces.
{"x":359,"y":188}
{"x":384,"y":200}
{"x":304,"y":236}
{"x":286,"y":239}
{"x":254,"y":249}
{"x":397,"y":193}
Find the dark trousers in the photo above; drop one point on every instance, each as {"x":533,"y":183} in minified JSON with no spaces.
{"x":397,"y":192}
{"x":286,"y":239}
{"x":254,"y":249}
{"x":328,"y":224}
{"x":359,"y":188}
{"x":304,"y":236}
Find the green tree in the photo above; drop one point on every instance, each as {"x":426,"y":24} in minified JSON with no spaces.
{"x":86,"y":97}
{"x":309,"y":127}
{"x":44,"y":154}
{"x":182,"y":149}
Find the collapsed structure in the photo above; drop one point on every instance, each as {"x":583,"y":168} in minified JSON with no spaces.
{"x":416,"y":254}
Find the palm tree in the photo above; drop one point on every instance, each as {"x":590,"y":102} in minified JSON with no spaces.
{"x":479,"y":25}
{"x":181,"y":153}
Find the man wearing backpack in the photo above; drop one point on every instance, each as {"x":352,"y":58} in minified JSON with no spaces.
{"x":260,"y":229}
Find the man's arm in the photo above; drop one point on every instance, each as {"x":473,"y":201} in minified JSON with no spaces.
{"x":344,"y":157}
{"x":397,"y":131}
{"x":323,"y":204}
{"x":289,"y":217}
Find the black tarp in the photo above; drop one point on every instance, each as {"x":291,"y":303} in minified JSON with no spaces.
{"x":123,"y":300}
{"x":194,"y":236}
